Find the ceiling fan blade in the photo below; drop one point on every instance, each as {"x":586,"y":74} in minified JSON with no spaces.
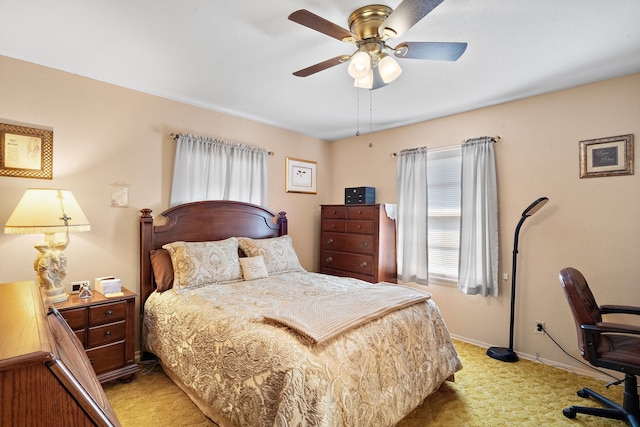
{"x":321,"y":66}
{"x":315,"y":22}
{"x":441,"y":51}
{"x":405,"y":16}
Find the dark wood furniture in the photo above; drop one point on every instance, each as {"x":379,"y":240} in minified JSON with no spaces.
{"x":358,"y":241}
{"x":45,"y":376}
{"x":106,"y":329}
{"x":203,"y":221}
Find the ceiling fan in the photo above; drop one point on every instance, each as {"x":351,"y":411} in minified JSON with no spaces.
{"x":370,"y":27}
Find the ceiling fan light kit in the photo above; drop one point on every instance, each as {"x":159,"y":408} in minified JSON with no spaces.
{"x":369,"y":29}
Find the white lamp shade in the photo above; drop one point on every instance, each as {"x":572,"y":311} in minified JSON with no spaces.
{"x":389,"y":68}
{"x":365,"y":82}
{"x":359,"y":65}
{"x":44,"y":210}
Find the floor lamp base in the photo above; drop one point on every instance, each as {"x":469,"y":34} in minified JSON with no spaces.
{"x":502,"y":353}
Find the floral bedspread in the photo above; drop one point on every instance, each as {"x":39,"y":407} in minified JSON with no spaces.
{"x":244,"y":372}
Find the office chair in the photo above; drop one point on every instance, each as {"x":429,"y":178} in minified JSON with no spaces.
{"x":608,"y":345}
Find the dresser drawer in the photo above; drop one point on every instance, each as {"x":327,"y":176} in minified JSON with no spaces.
{"x":363,"y":227}
{"x":329,"y":212}
{"x":336,"y":225}
{"x":107,"y":313}
{"x":76,"y":318}
{"x":107,"y":357}
{"x":357,"y":263}
{"x":106,"y":334}
{"x":345,"y":243}
{"x":361,"y":212}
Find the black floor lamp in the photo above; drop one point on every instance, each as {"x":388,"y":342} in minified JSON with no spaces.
{"x":502,"y":353}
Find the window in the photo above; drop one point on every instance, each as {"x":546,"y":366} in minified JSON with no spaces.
{"x":443,"y":184}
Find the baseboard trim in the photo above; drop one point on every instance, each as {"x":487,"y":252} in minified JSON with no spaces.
{"x":586,"y":371}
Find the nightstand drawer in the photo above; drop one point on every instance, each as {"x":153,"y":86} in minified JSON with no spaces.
{"x":107,"y":313}
{"x":106,"y":334}
{"x":75,"y":318}
{"x":107,"y":358}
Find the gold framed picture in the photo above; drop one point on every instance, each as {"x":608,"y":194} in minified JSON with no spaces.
{"x":300,"y":176}
{"x":611,"y":156}
{"x":26,"y":152}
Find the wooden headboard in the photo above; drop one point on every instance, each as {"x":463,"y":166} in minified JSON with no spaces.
{"x":200,"y":222}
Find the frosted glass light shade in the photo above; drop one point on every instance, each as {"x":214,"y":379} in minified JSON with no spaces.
{"x":44,"y":211}
{"x":366,"y":82}
{"x":359,"y":65}
{"x":389,"y":68}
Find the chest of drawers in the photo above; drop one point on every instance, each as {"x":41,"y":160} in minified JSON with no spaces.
{"x":358,"y":241}
{"x":105,"y":327}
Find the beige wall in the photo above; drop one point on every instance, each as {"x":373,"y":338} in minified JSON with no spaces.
{"x":591,"y":224}
{"x":104,"y":133}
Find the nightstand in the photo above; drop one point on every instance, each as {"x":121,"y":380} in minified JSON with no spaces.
{"x":106,"y":329}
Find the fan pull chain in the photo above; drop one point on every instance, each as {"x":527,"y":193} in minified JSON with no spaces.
{"x":357,"y":112}
{"x":370,"y":116}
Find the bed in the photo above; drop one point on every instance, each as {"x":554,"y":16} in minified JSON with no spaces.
{"x":253,"y":339}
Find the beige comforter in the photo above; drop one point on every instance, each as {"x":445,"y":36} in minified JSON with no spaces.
{"x":214,"y":343}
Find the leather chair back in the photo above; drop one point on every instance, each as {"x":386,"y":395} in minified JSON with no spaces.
{"x":583,"y":305}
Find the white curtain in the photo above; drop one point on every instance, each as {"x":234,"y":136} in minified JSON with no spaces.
{"x":209,"y":169}
{"x":478,"y":268}
{"x":411,"y":223}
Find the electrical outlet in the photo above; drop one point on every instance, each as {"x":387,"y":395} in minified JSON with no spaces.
{"x":539,"y":327}
{"x":75,"y":286}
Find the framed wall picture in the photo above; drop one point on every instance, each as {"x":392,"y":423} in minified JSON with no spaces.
{"x":26,"y":152}
{"x":610,"y":156}
{"x":300,"y":176}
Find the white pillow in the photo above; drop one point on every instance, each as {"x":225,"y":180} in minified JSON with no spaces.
{"x":198,"y":264}
{"x":278,"y":253}
{"x":253,"y":267}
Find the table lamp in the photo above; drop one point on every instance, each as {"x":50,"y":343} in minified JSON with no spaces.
{"x":51,"y":212}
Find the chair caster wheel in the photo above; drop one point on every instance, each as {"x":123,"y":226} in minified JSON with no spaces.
{"x":569,"y":413}
{"x":582,"y":393}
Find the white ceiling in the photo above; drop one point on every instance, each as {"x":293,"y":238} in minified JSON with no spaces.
{"x":237,"y":57}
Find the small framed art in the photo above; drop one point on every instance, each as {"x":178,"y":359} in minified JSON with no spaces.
{"x":300,"y":176}
{"x":610,"y":156}
{"x":26,"y":152}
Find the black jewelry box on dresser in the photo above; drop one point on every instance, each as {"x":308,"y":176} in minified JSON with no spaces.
{"x":359,"y":195}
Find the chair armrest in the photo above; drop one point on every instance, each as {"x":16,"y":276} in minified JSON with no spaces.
{"x":610,"y":328}
{"x":619,"y":309}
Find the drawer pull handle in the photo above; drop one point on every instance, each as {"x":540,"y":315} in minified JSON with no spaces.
{"x":330,"y":241}
{"x":363,"y":264}
{"x":364,"y":244}
{"x":107,"y":333}
{"x":109,"y":313}
{"x":91,"y":361}
{"x":333,"y":226}
{"x":359,"y":226}
{"x":334,"y":212}
{"x":329,"y":260}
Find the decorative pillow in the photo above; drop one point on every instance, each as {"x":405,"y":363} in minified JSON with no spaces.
{"x":278,"y":253}
{"x":198,"y":264}
{"x":162,"y":269}
{"x":253,"y":267}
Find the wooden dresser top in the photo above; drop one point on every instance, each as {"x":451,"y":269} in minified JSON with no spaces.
{"x":24,"y":336}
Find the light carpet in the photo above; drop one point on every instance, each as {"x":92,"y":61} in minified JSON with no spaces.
{"x":486,"y":392}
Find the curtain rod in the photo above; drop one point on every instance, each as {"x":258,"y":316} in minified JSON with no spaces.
{"x":496,"y":138}
{"x":177,"y":135}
